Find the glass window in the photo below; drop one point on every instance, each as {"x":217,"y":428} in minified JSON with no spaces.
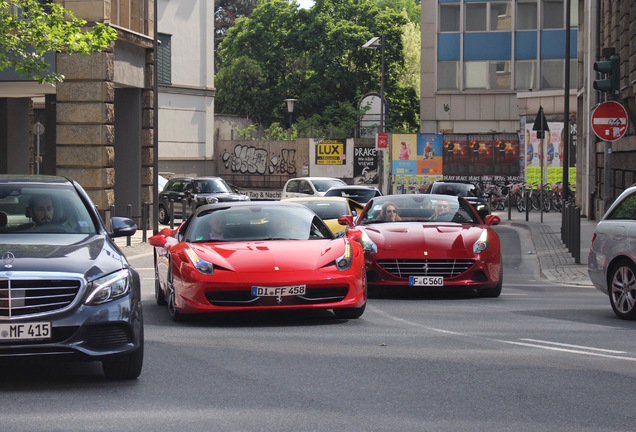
{"x":500,"y":75}
{"x":447,"y":76}
{"x":476,"y":17}
{"x":476,"y":75}
{"x":500,"y":16}
{"x":574,"y":73}
{"x":625,"y":210}
{"x":164,"y":59}
{"x":527,"y":15}
{"x":449,"y":17}
{"x":553,"y":14}
{"x":552,"y":74}
{"x":526,"y":75}
{"x":574,"y":15}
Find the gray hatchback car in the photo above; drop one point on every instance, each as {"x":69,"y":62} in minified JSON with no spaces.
{"x":612,"y":258}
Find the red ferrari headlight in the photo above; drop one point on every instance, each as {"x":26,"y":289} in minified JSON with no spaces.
{"x":482,"y":242}
{"x":344,"y":262}
{"x":201,"y":265}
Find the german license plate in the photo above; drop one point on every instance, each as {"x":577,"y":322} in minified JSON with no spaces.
{"x":426,"y":281}
{"x":25,"y":331}
{"x":260,"y":291}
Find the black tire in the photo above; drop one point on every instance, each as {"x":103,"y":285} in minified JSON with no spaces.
{"x":127,"y":366}
{"x":172,"y":309}
{"x":496,"y":291}
{"x":521,"y":203}
{"x":164,"y":217}
{"x":622,"y":289}
{"x":159,"y":297}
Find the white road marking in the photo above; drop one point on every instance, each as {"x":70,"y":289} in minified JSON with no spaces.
{"x":574,"y":346}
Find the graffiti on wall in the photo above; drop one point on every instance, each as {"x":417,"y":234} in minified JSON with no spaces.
{"x":254,"y":160}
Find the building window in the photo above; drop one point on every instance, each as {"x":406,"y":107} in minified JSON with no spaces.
{"x":552,"y":74}
{"x":449,"y":18}
{"x":476,"y":17}
{"x":574,"y":73}
{"x":553,"y":13}
{"x":164,"y":58}
{"x":500,"y":16}
{"x":476,"y":75}
{"x":499,"y":78}
{"x":527,"y":15}
{"x":447,"y":75}
{"x":526,"y":75}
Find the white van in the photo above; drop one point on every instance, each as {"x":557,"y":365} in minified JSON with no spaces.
{"x":309,"y":186}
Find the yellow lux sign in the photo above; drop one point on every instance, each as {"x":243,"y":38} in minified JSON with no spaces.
{"x":330,"y":153}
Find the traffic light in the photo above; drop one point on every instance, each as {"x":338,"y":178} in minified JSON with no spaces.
{"x":610,"y":83}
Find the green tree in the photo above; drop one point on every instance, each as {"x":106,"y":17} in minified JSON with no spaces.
{"x":226,"y":12}
{"x":316,"y":57}
{"x":29,"y":30}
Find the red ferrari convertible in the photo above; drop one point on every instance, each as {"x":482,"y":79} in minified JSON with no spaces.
{"x":257,"y":256}
{"x":430,"y":241}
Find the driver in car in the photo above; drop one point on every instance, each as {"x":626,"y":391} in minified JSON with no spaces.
{"x":42,"y":210}
{"x":441,"y":207}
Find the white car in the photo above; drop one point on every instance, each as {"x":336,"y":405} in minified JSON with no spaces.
{"x":612,"y":258}
{"x":309,"y":186}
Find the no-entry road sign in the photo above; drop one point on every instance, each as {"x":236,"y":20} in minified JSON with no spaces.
{"x":609,"y":121}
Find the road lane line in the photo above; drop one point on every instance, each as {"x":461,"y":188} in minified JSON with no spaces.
{"x":574,"y":346}
{"x":571,"y":351}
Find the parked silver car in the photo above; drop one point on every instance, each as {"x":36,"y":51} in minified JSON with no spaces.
{"x":612,"y":258}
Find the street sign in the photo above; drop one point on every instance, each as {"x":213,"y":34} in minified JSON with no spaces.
{"x":383,"y":140}
{"x":609,"y":121}
{"x":540,"y":124}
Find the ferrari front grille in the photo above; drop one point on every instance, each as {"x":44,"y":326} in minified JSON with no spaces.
{"x":245,"y":298}
{"x":404,"y":268}
{"x":22,"y":297}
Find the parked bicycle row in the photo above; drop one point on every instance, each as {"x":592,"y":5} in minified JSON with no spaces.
{"x":533,"y":196}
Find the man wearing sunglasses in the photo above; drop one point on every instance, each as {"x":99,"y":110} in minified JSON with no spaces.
{"x":441,"y":207}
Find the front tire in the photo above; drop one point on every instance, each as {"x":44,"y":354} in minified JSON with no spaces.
{"x":622,"y":289}
{"x":496,"y":291}
{"x":164,"y":217}
{"x":127,"y":366}
{"x":350,"y":313}
{"x":172,"y":308}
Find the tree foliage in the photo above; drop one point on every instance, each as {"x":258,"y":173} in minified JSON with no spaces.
{"x":226,"y":12}
{"x":315,"y":56}
{"x":29,"y":30}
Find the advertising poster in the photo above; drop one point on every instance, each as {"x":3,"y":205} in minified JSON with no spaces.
{"x":506,"y":156}
{"x":365,"y":165}
{"x":331,"y":152}
{"x":480,"y":155}
{"x":455,"y":157}
{"x":552,"y":149}
{"x":429,"y":154}
{"x":404,"y":154}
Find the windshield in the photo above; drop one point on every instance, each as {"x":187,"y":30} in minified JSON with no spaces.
{"x":323,"y":185}
{"x":360,"y":195}
{"x":418,"y":208}
{"x":43,"y":208}
{"x":327,"y":209}
{"x":256,"y":222}
{"x":211,"y":186}
{"x":456,"y":189}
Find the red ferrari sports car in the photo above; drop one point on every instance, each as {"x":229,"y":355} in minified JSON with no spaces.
{"x":430,"y":241}
{"x":255,"y":256}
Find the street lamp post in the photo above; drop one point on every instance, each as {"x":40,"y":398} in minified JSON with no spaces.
{"x":375,"y":43}
{"x":290,"y":110}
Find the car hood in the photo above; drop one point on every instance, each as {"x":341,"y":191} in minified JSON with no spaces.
{"x":271,"y":255}
{"x":425,"y":239}
{"x":89,"y":255}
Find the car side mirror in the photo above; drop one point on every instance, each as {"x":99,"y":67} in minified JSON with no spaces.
{"x":122,"y":227}
{"x":493,"y":220}
{"x":346,"y":220}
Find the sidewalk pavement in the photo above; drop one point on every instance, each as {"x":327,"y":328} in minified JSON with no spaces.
{"x":555,"y":261}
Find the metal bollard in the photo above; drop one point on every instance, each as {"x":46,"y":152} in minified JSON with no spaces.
{"x":144,"y":221}
{"x":184,"y":207}
{"x":110,"y":216}
{"x":129,"y":215}
{"x":528,"y":204}
{"x":509,"y":206}
{"x":566,"y":228}
{"x":171,"y":214}
{"x":577,"y":236}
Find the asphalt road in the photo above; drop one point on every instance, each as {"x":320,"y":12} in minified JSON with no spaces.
{"x":542,"y":357}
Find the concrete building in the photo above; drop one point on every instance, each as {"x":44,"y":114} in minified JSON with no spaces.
{"x":186,"y":87}
{"x":96,"y":126}
{"x":489,"y":65}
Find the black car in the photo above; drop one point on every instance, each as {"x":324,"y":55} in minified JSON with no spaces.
{"x":66,"y":290}
{"x":358,"y":193}
{"x":470,"y":191}
{"x":194,"y":192}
